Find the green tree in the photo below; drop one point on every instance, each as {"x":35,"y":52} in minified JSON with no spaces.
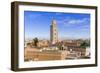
{"x":59,"y":45}
{"x":84,"y":45}
{"x":35,"y":41}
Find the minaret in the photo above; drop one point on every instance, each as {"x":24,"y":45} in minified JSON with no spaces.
{"x":53,"y":32}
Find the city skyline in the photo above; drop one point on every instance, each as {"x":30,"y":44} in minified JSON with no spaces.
{"x":70,"y":25}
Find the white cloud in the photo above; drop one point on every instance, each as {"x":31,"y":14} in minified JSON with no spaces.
{"x":77,"y":21}
{"x":70,"y":22}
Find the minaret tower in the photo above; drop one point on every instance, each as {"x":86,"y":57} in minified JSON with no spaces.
{"x":54,"y":32}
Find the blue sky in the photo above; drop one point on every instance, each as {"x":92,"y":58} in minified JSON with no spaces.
{"x":70,"y":25}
